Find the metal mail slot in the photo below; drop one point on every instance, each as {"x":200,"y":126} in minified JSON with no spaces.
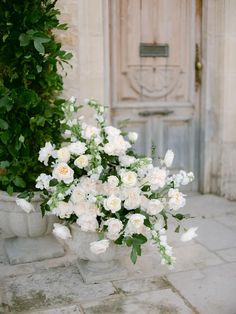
{"x":154,"y":50}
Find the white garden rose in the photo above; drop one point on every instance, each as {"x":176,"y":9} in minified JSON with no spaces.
{"x":46,"y":152}
{"x":132,"y":136}
{"x":189,"y":234}
{"x":87,"y":222}
{"x":77,"y":195}
{"x":116,"y":146}
{"x":43,"y":180}
{"x":82,"y":161}
{"x":154,"y":207}
{"x":135,"y":224}
{"x":90,"y":131}
{"x":129,"y":178}
{"x":81,"y":208}
{"x":61,"y":231}
{"x":25,"y":205}
{"x":160,"y":223}
{"x":114,"y":227}
{"x":176,"y":199}
{"x":169,"y":157}
{"x":156,"y":178}
{"x":113,"y":181}
{"x":63,"y":209}
{"x":63,"y":154}
{"x":112,"y":131}
{"x":99,"y":247}
{"x":144,"y":202}
{"x":126,"y":160}
{"x":62,"y":172}
{"x":77,"y":148}
{"x":89,"y":185}
{"x":112,"y":203}
{"x":132,"y":197}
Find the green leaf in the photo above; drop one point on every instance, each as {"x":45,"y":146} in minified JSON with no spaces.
{"x":4,"y":136}
{"x":24,"y":40}
{"x":139,"y":238}
{"x":38,"y":46}
{"x":19,"y":182}
{"x":53,"y":182}
{"x":39,"y":68}
{"x":177,"y":229}
{"x":4,"y":164}
{"x":3,"y":124}
{"x":10,"y":189}
{"x":133,"y":255}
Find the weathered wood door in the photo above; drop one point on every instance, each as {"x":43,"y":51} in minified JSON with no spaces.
{"x":155,"y":86}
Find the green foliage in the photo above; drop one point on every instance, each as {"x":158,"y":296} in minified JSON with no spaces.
{"x":30,"y":85}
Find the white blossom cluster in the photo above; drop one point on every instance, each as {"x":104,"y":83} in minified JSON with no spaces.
{"x":98,"y":182}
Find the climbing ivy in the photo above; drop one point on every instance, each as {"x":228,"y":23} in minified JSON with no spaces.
{"x":30,"y":87}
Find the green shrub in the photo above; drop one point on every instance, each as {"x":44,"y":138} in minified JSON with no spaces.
{"x":30,"y":86}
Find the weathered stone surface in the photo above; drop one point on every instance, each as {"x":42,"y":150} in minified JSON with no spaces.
{"x":228,"y":255}
{"x":71,"y":309}
{"x":211,"y":290}
{"x":154,"y":302}
{"x":215,"y":236}
{"x":54,"y":287}
{"x":25,"y":250}
{"x":228,"y":220}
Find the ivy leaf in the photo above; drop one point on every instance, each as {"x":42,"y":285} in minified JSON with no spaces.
{"x":3,"y":124}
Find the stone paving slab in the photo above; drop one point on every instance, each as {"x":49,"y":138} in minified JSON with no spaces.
{"x":228,"y":220}
{"x":71,"y":309}
{"x":210,"y":291}
{"x":54,"y":287}
{"x":154,"y":302}
{"x":229,"y":255}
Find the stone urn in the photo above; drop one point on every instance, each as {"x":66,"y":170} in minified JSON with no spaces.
{"x":27,"y":236}
{"x":95,"y":268}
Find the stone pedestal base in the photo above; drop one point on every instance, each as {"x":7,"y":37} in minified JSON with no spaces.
{"x":97,"y":272}
{"x":26,"y":250}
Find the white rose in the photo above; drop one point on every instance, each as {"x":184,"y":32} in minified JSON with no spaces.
{"x":77,"y":195}
{"x":77,"y":148}
{"x":169,"y":157}
{"x":132,"y":136}
{"x":154,"y":207}
{"x":89,"y":185}
{"x":132,"y":198}
{"x":81,"y":208}
{"x":116,"y":146}
{"x":99,"y":247}
{"x":87,"y":222}
{"x":176,"y":200}
{"x":189,"y":235}
{"x":63,"y":209}
{"x":114,"y":227}
{"x":25,"y":205}
{"x":113,"y":181}
{"x":61,"y":231}
{"x":160,"y":223}
{"x":135,"y":224}
{"x":144,"y":202}
{"x":90,"y":131}
{"x":46,"y":152}
{"x":72,"y":99}
{"x":112,"y":203}
{"x":112,"y":131}
{"x":126,"y":160}
{"x":109,"y":149}
{"x":82,"y":161}
{"x":157,"y":178}
{"x":63,"y":154}
{"x":129,"y":178}
{"x":42,"y":182}
{"x":62,"y":172}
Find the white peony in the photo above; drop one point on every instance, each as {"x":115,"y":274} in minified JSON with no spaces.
{"x":176,"y":200}
{"x":87,"y":222}
{"x":156,"y":178}
{"x":46,"y":152}
{"x":62,"y":172}
{"x":77,"y":148}
{"x":132,"y":136}
{"x":112,"y":131}
{"x":129,"y":178}
{"x":42,"y":182}
{"x":114,"y":227}
{"x":61,"y":231}
{"x":113,"y":181}
{"x":189,"y":235}
{"x":82,"y":161}
{"x":63,"y":209}
{"x":169,"y":157}
{"x":77,"y":195}
{"x":112,"y":203}
{"x":126,"y":160}
{"x":63,"y":154}
{"x":99,"y":247}
{"x":25,"y":205}
{"x":135,"y":224}
{"x":154,"y":207}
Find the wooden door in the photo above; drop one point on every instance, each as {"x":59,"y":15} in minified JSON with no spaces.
{"x":153,"y":54}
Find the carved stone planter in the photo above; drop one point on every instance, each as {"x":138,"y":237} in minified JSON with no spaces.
{"x":27,"y":236}
{"x":95,"y":268}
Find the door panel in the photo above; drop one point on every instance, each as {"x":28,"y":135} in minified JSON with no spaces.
{"x":157,"y":94}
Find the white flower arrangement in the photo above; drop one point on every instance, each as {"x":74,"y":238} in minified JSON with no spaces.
{"x":98,"y":182}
